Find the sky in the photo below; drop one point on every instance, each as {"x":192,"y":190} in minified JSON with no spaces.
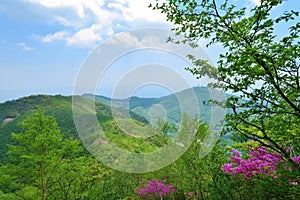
{"x":45,"y":43}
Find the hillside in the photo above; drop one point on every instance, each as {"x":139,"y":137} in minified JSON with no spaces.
{"x":152,"y":107}
{"x":142,"y":110}
{"x":60,"y":107}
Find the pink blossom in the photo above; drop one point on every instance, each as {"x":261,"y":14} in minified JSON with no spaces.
{"x":155,"y":188}
{"x":294,"y":183}
{"x":260,"y":161}
{"x":288,"y":150}
{"x":296,"y":159}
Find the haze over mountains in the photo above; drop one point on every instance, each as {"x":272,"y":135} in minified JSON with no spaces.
{"x":170,"y":107}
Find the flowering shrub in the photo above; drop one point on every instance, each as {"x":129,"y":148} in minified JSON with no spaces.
{"x":155,"y":189}
{"x":296,"y":159}
{"x":260,"y":161}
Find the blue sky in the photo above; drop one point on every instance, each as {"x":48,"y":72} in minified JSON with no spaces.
{"x":43,"y":43}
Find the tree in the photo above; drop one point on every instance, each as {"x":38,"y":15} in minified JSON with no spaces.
{"x":47,"y":166}
{"x":260,"y":64}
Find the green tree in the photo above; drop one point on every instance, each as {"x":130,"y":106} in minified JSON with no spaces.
{"x":46,"y":166}
{"x":260,"y":64}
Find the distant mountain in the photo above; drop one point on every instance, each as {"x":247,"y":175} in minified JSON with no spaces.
{"x":134,"y":101}
{"x":169,"y":106}
{"x":142,"y":111}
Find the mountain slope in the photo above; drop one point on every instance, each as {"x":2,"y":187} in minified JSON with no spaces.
{"x":60,"y":107}
{"x":166,"y":106}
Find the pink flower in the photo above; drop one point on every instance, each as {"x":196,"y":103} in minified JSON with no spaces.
{"x":288,"y":150}
{"x":155,"y":188}
{"x":296,"y":159}
{"x":260,"y":161}
{"x":294,"y":183}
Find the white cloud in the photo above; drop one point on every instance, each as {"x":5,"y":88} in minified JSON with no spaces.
{"x":85,"y":37}
{"x":138,"y":10}
{"x":87,"y":21}
{"x":64,"y":21}
{"x":61,"y":35}
{"x":25,"y":47}
{"x":129,"y":40}
{"x":52,"y":4}
{"x":256,"y":2}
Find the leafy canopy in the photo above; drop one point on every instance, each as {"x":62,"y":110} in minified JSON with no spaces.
{"x":46,"y":166}
{"x":260,"y":64}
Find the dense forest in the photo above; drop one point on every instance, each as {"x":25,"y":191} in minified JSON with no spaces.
{"x":43,"y":158}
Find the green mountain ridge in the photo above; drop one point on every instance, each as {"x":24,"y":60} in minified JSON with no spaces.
{"x":60,"y":107}
{"x":171,"y":104}
{"x":142,"y":110}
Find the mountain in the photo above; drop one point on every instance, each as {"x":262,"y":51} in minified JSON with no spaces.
{"x":60,"y":107}
{"x":170,"y":107}
{"x":114,"y":120}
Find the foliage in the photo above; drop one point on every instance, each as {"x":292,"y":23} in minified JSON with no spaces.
{"x":260,"y":162}
{"x":201,"y":178}
{"x":57,"y":106}
{"x":46,"y":166}
{"x":155,"y":189}
{"x":260,"y":64}
{"x":60,"y":107}
{"x":71,"y":174}
{"x":267,"y":172}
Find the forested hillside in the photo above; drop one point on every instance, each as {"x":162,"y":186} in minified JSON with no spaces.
{"x":170,"y":103}
{"x":42,"y":158}
{"x":60,"y":107}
